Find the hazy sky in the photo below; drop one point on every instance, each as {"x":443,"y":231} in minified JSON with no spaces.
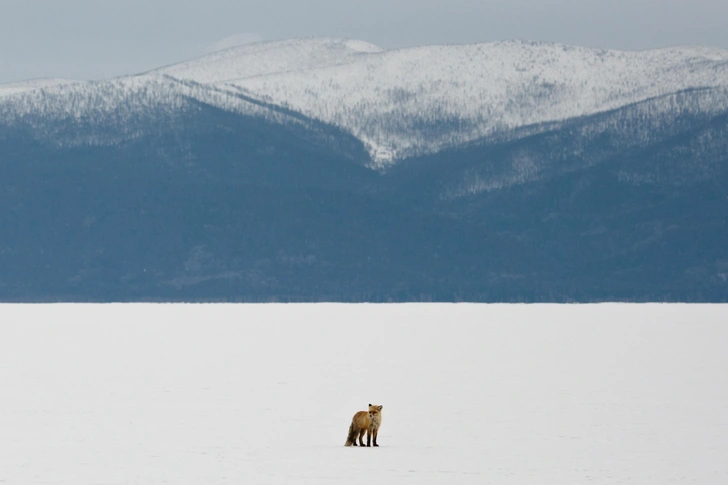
{"x":92,"y":39}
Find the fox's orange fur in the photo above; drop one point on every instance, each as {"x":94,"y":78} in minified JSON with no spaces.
{"x":365,"y":422}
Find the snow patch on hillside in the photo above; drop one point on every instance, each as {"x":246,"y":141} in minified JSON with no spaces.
{"x":587,"y":141}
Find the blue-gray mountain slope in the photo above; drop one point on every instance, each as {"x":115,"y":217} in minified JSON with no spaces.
{"x":215,"y":206}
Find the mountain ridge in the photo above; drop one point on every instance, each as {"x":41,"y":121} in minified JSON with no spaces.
{"x":394,"y":101}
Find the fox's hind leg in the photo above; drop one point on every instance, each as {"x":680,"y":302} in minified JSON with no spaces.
{"x":361,"y":437}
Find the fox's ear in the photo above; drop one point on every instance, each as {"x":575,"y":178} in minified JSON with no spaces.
{"x":370,"y":404}
{"x":380,"y":407}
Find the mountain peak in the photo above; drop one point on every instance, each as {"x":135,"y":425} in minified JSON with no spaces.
{"x":271,"y":57}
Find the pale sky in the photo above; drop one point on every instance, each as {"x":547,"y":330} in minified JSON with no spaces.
{"x":95,"y":39}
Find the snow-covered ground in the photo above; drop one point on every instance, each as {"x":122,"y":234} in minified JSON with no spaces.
{"x":232,"y":394}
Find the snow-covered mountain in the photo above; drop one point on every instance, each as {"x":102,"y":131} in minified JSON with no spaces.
{"x":511,"y":171}
{"x":399,"y":103}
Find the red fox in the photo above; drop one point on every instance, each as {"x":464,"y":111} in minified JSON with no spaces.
{"x":365,"y":422}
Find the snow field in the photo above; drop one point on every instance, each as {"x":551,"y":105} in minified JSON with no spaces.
{"x":222,"y":394}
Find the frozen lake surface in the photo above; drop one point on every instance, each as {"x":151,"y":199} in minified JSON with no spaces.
{"x":235,"y":394}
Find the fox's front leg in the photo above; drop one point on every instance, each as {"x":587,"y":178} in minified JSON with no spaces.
{"x":376,"y":433}
{"x":369,"y":437}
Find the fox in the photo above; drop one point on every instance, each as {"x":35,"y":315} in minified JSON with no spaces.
{"x":365,"y":422}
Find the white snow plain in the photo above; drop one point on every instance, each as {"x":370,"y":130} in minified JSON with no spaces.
{"x":231,"y":394}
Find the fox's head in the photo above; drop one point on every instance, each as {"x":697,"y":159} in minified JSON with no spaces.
{"x":374,"y":410}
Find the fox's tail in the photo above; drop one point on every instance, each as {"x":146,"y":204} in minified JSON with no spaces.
{"x":351,"y":439}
